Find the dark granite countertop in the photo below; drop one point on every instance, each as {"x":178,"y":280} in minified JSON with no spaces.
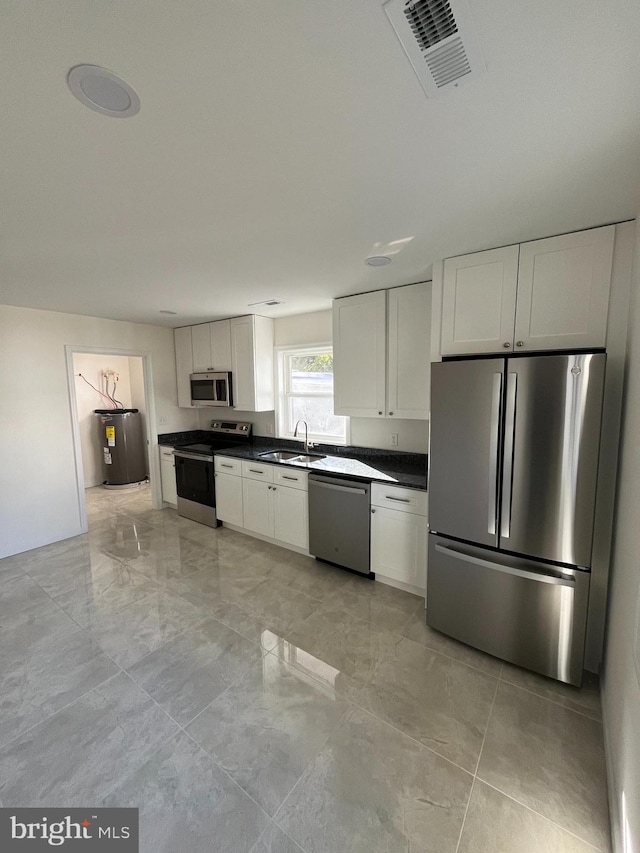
{"x":192,"y":436}
{"x":358,"y":463}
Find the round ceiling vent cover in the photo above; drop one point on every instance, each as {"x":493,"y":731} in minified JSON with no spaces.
{"x":378,"y":261}
{"x":103,"y":91}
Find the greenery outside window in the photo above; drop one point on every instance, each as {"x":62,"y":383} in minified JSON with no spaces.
{"x":305,"y":392}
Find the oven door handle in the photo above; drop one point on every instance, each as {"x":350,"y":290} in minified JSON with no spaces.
{"x":181,"y":454}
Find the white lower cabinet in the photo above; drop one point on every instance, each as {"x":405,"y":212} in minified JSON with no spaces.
{"x":257,"y":506}
{"x":279,"y":512}
{"x":251,"y":495}
{"x":291,"y":516}
{"x":229,"y":502}
{"x":399,"y":536}
{"x":168,"y":476}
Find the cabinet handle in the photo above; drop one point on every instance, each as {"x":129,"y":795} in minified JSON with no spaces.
{"x":401,"y":500}
{"x":372,"y":510}
{"x":274,"y":488}
{"x":284,"y":477}
{"x":390,"y":413}
{"x":379,"y":413}
{"x":222,"y":465}
{"x":506,"y":345}
{"x":520,"y":344}
{"x":256,"y":471}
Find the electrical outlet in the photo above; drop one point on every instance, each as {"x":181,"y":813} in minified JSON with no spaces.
{"x":162,"y":421}
{"x":270,"y":429}
{"x":394,"y":439}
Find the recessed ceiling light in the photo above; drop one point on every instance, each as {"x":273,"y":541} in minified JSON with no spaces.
{"x":268,"y":302}
{"x":103,"y":91}
{"x":164,"y":311}
{"x":378,"y":261}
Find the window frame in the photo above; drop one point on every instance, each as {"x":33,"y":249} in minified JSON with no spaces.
{"x":284,"y":394}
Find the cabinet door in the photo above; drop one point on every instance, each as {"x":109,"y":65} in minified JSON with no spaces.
{"x":359,"y":355}
{"x":220,"y":344}
{"x":184,"y":365}
{"x":291,"y":516}
{"x":409,"y":349}
{"x":257,"y":506}
{"x":201,"y":342}
{"x":479,"y":302}
{"x":563,"y":291}
{"x":399,"y":546}
{"x":242,"y":363}
{"x":168,"y":476}
{"x":229,"y":499}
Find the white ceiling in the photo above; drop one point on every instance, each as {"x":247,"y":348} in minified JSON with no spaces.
{"x":280,"y":142}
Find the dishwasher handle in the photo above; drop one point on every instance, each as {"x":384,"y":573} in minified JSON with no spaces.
{"x":353,"y":489}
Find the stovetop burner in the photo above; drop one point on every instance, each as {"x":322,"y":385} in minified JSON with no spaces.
{"x":224,"y":434}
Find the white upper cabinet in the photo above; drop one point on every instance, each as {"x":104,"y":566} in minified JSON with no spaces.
{"x":381,"y":346}
{"x":479,"y":302}
{"x":409,"y":373}
{"x":360,"y":354}
{"x":563,"y":291}
{"x":184,"y":364}
{"x":545,"y":295}
{"x":252,"y":363}
{"x":201,"y":344}
{"x":211,"y":344}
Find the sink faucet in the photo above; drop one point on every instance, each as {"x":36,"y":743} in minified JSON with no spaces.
{"x":307,"y":444}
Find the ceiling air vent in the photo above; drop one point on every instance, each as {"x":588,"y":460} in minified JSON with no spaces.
{"x":440,"y":40}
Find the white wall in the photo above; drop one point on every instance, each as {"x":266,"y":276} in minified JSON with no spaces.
{"x":316,"y":328}
{"x":136,"y":384}
{"x":39,"y":500}
{"x":92,"y":367}
{"x":621,"y":680}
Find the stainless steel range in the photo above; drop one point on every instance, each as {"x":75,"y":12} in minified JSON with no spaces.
{"x":195,"y":481}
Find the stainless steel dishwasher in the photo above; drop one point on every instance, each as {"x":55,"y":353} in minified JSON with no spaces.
{"x":339,"y":521}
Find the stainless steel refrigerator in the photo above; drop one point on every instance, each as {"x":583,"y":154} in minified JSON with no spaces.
{"x":513,"y":466}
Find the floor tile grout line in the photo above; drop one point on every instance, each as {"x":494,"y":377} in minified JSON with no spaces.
{"x":553,"y":701}
{"x":411,"y":738}
{"x":484,"y":737}
{"x":450,"y":657}
{"x":539,"y":814}
{"x":475,"y":772}
{"x":391,"y":725}
{"x":466,"y":812}
{"x":342,"y":717}
{"x":194,"y":741}
{"x":181,"y":633}
{"x":46,"y":719}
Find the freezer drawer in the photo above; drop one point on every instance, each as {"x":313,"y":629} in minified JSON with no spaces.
{"x":531,"y":614}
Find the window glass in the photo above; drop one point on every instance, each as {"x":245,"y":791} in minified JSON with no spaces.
{"x":306,"y":393}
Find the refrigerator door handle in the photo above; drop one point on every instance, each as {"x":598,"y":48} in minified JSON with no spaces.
{"x":508,"y":570}
{"x":494,"y":435}
{"x":509,"y":435}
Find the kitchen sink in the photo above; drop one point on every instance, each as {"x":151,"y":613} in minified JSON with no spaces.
{"x":278,"y":455}
{"x":290,"y":456}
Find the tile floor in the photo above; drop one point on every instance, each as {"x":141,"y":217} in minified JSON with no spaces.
{"x":247,"y":698}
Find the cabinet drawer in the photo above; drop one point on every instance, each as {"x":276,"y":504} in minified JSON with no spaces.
{"x":166,"y":454}
{"x":257,"y":471}
{"x":290,"y":477}
{"x":226,"y":465}
{"x":397,"y":497}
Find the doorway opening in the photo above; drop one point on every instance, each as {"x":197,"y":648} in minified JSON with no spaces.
{"x":114,"y":382}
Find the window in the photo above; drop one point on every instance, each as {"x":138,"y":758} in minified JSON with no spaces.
{"x":305,"y":392}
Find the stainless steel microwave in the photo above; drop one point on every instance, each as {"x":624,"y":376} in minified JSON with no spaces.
{"x":211,"y":389}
